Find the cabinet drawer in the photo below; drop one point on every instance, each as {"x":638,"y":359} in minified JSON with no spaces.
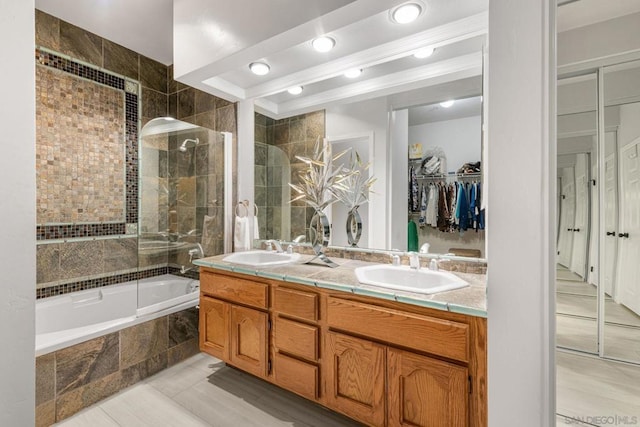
{"x":423,"y":333}
{"x":296,"y":338}
{"x":296,"y":303}
{"x":233,"y":289}
{"x":297,"y":376}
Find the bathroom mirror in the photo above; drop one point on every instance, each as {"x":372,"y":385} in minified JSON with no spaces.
{"x":577,"y":296}
{"x":621,"y":210}
{"x":598,"y":223}
{"x":381,"y":130}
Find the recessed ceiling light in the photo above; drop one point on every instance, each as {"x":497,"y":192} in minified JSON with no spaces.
{"x":406,"y":13}
{"x":323,"y":44}
{"x":447,"y":104}
{"x":424,"y":52}
{"x":296,"y":90}
{"x":259,"y":68}
{"x":353,"y":73}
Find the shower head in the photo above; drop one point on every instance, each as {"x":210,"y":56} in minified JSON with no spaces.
{"x":183,"y":147}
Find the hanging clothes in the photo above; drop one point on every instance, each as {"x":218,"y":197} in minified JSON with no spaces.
{"x":453,"y":200}
{"x":473,"y":216}
{"x":462,"y":209}
{"x":413,"y":191}
{"x":479,"y":207}
{"x":422,"y":219}
{"x":432,"y":206}
{"x":443,"y":208}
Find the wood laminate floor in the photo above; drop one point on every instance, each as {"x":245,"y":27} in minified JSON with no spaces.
{"x":596,"y":391}
{"x":203,"y":391}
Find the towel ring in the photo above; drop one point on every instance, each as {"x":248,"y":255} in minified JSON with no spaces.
{"x":245,"y":208}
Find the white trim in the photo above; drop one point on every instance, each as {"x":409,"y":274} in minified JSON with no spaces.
{"x":228,"y":191}
{"x":592,"y":64}
{"x":461,"y":67}
{"x":446,"y":34}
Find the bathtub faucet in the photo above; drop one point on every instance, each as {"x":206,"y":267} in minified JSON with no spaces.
{"x":196,"y":252}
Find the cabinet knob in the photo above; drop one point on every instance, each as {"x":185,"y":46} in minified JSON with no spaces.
{"x":611,"y":233}
{"x":576,"y":230}
{"x":623,"y":235}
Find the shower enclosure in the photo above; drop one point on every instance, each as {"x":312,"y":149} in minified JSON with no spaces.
{"x":272,"y":194}
{"x":185,"y":194}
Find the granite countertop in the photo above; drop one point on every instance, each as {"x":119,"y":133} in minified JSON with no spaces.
{"x":471,"y":300}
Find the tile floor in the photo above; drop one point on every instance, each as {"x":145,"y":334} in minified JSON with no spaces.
{"x":202,"y":391}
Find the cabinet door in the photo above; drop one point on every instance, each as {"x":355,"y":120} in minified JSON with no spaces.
{"x":355,"y":378}
{"x":214,"y":327}
{"x":425,"y":391}
{"x":249,"y":340}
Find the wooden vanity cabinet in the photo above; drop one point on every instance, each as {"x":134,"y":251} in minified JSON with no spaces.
{"x":382,"y":363}
{"x":234,"y":322}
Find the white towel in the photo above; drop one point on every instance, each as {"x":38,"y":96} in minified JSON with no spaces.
{"x":241,"y":236}
{"x":256,"y":228}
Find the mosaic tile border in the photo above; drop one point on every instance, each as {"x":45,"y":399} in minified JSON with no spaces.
{"x":132,"y":114}
{"x":67,"y":231}
{"x":99,"y":282}
{"x":67,"y":288}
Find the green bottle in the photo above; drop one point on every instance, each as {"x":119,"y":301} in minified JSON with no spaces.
{"x":412,"y":234}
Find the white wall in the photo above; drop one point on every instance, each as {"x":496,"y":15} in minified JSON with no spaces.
{"x":398,"y":180}
{"x":459,"y":138}
{"x":17,"y":192}
{"x":520,"y":228}
{"x":365,"y":117}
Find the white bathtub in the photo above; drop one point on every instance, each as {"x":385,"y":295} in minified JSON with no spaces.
{"x":65,"y":320}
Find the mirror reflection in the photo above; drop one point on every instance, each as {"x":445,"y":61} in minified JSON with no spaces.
{"x":440,"y":141}
{"x":599,"y":224}
{"x":577,"y":299}
{"x":621,"y":235}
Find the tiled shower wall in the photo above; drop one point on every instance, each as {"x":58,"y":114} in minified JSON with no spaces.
{"x":295,"y":136}
{"x":87,"y":224}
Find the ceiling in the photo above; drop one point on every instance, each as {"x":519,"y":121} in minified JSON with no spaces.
{"x":578,"y":13}
{"x":215,"y":40}
{"x":466,"y":107}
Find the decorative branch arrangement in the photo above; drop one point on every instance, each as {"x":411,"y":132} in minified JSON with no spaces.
{"x":318,"y":183}
{"x":353,"y":190}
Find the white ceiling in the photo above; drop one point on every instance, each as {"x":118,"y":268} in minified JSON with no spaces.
{"x":467,"y":107}
{"x":578,"y":13}
{"x":279,"y":32}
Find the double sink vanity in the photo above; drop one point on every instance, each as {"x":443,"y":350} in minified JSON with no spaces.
{"x":383,"y":344}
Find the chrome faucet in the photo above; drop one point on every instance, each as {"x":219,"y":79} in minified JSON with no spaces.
{"x":414,"y":260}
{"x":434,"y":264}
{"x":276,"y":244}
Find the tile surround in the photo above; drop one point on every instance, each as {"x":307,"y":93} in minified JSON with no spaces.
{"x":73,"y":378}
{"x":100,"y":61}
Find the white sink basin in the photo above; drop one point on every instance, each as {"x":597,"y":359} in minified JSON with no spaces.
{"x":261,"y":258}
{"x":404,"y":278}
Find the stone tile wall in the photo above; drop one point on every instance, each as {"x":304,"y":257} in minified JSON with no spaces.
{"x":60,"y":261}
{"x":295,"y":136}
{"x":73,"y":378}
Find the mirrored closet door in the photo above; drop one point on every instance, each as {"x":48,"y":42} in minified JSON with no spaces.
{"x":598,"y":222}
{"x":621,"y":222}
{"x":577,"y":292}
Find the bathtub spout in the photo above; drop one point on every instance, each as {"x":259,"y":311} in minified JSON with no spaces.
{"x":184,"y":269}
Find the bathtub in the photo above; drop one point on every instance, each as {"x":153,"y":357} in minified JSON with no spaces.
{"x":65,"y":320}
